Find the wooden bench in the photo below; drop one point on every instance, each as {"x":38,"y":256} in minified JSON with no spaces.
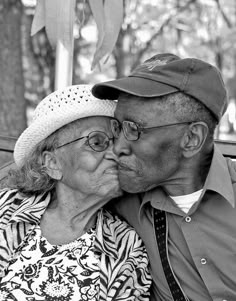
{"x":6,"y":147}
{"x":228,"y":148}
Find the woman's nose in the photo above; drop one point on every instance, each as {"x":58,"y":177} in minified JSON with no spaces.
{"x":109,"y":152}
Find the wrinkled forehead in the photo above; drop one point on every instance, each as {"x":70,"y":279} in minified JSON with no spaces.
{"x":138,"y":109}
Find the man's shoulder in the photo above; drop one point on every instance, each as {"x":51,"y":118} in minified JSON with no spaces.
{"x":231,"y":164}
{"x":127,"y":207}
{"x":127,"y":200}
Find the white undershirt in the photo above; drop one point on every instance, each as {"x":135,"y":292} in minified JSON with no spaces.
{"x":185,"y":202}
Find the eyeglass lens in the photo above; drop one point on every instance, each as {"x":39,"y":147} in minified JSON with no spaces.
{"x":130,"y":129}
{"x":98,"y":141}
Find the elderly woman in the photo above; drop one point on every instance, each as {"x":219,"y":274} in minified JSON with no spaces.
{"x":56,"y":241}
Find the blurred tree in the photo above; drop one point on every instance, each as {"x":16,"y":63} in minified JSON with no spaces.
{"x":199,"y":28}
{"x":187,"y":27}
{"x":38,"y":61}
{"x":12,"y":103}
{"x":144,"y":26}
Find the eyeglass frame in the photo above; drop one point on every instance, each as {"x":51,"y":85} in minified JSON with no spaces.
{"x":80,"y":138}
{"x":140,"y":129}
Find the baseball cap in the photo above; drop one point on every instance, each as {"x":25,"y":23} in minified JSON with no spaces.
{"x":167,"y":73}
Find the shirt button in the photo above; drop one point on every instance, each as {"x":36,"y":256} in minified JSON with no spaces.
{"x":203,"y":261}
{"x":188,"y":219}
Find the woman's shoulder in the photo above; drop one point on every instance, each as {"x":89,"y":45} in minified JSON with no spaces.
{"x":8,"y":196}
{"x":119,"y":228}
{"x":9,"y":202}
{"x":124,"y":260}
{"x":116,"y":239}
{"x":16,"y":207}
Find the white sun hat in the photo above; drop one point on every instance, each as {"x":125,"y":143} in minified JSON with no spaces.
{"x":56,"y":110}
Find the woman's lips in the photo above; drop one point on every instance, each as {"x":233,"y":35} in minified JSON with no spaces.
{"x":112,"y":170}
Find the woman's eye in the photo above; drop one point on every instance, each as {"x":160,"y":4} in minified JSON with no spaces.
{"x":95,"y":141}
{"x":86,"y":142}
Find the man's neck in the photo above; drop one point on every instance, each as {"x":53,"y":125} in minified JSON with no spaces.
{"x":191,"y":177}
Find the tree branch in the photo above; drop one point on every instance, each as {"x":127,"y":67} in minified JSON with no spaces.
{"x":225,"y":18}
{"x":160,"y":30}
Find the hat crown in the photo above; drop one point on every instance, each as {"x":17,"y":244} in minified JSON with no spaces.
{"x":156,"y":61}
{"x":192,"y":76}
{"x":62,"y":99}
{"x":56,"y":110}
{"x":167,"y":73}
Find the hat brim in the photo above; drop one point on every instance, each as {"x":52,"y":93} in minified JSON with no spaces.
{"x":51,"y":114}
{"x":137,"y":86}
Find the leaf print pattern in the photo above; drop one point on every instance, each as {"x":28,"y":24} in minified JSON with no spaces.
{"x":41,"y":271}
{"x":123,"y":261}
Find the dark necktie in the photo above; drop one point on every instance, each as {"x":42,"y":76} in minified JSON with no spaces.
{"x":160,"y":224}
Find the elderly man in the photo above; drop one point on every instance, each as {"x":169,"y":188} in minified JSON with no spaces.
{"x":181,"y":190}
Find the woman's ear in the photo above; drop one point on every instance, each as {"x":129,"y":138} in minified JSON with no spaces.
{"x":194,"y":139}
{"x":52,"y":165}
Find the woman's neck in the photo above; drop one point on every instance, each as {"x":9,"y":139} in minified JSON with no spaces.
{"x":69,"y":215}
{"x":74,"y":206}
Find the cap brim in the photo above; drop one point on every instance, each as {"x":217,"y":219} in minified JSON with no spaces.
{"x":137,"y":86}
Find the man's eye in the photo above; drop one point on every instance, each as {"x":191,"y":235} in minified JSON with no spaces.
{"x":116,"y":127}
{"x":132,"y":127}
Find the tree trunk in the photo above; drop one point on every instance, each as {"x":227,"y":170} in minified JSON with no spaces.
{"x":12,"y":102}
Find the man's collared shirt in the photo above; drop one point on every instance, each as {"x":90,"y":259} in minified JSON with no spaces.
{"x":201,"y":243}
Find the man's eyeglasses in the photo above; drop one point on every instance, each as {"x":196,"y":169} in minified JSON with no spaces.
{"x":97,"y":140}
{"x":132,"y":130}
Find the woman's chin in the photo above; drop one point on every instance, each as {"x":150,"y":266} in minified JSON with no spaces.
{"x":115,"y":192}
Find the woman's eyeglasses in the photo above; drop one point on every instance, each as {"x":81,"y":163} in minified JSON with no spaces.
{"x":97,"y":140}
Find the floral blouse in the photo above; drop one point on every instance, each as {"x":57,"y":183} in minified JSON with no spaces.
{"x":41,"y":271}
{"x":108,"y":263}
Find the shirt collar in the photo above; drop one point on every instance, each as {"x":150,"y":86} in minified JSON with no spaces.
{"x":224,"y":184}
{"x":220,"y":177}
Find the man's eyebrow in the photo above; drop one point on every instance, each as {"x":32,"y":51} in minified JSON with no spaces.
{"x":141,"y":122}
{"x":136,"y":120}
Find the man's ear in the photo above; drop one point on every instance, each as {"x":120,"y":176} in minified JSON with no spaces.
{"x":194,"y":139}
{"x":52,"y":165}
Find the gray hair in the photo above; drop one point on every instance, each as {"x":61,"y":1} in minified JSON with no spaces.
{"x":187,"y":108}
{"x":32,"y":178}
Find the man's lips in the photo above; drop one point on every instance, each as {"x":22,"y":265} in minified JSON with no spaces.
{"x":123,"y":167}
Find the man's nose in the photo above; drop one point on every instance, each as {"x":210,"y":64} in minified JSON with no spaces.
{"x":121,"y":145}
